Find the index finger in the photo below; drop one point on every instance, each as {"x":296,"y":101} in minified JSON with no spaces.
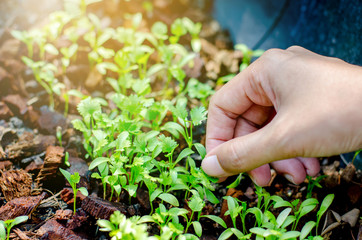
{"x":232,"y":101}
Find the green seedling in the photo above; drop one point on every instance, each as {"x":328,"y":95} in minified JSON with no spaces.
{"x":73,"y":179}
{"x":185,"y":128}
{"x":196,"y":204}
{"x":7,"y":225}
{"x":327,"y":201}
{"x":44,"y":74}
{"x":26,"y":38}
{"x":248,"y":55}
{"x":234,"y":211}
{"x":198,"y":90}
{"x":304,"y":208}
{"x":68,"y":53}
{"x":356,"y":154}
{"x":167,"y":220}
{"x":59,"y":135}
{"x":313,"y":183}
{"x":119,"y":227}
{"x":66,"y":159}
{"x":194,"y":29}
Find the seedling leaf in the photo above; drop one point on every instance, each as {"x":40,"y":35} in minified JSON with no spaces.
{"x":197,"y":228}
{"x":169,"y":198}
{"x":216,"y":219}
{"x":306,"y":229}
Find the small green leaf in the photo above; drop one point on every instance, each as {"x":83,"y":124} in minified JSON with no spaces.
{"x":289,"y":235}
{"x":327,"y":201}
{"x":198,"y":115}
{"x":2,"y":231}
{"x":211,"y":197}
{"x":97,"y":162}
{"x":159,"y":29}
{"x":200,"y":149}
{"x":225,"y":234}
{"x":216,"y":219}
{"x":169,"y":198}
{"x":196,"y":204}
{"x":84,"y":191}
{"x":307,"y":228}
{"x":155,"y":194}
{"x":184,"y":153}
{"x":67,"y":175}
{"x":196,"y":45}
{"x":146,"y":219}
{"x":49,"y":48}
{"x":197,"y":228}
{"x":75,"y":178}
{"x":257,"y":230}
{"x":106,"y":226}
{"x":236,"y":182}
{"x":18,"y":220}
{"x":174,"y":128}
{"x":283,"y":216}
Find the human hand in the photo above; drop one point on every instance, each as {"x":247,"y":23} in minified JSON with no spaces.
{"x":289,"y":104}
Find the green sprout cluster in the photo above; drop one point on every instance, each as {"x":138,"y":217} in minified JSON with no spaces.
{"x":141,"y":133}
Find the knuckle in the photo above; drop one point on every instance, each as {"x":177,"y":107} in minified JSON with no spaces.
{"x":236,"y":159}
{"x":295,"y":48}
{"x":273,"y":53}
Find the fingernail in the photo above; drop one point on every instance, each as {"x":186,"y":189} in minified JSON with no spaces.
{"x":253,"y":179}
{"x":212,"y":167}
{"x":289,"y":178}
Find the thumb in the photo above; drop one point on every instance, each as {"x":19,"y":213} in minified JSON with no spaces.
{"x":245,"y":153}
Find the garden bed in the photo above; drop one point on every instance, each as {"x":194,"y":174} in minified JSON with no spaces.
{"x":108,"y":99}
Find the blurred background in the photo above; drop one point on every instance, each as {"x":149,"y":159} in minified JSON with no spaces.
{"x":328,"y":27}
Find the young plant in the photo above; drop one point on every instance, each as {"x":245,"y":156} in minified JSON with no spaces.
{"x":304,"y":208}
{"x":7,"y":225}
{"x":73,"y":179}
{"x":119,"y":227}
{"x":196,"y":204}
{"x":198,"y":90}
{"x":59,"y":135}
{"x":44,"y":74}
{"x":185,"y":128}
{"x":327,"y":201}
{"x":167,"y":220}
{"x":26,"y":38}
{"x":234,"y":211}
{"x":313,"y":183}
{"x":248,"y":55}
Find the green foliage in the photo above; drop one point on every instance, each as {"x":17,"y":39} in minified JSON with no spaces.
{"x":7,"y":225}
{"x":119,"y":227}
{"x":248,"y":55}
{"x":73,"y":179}
{"x":313,"y":183}
{"x":141,"y":135}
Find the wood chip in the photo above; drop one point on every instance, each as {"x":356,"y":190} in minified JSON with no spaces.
{"x":28,"y":145}
{"x":53,"y":230}
{"x":63,"y":214}
{"x":52,"y":161}
{"x":15,"y":184}
{"x":21,"y":234}
{"x":102,"y":209}
{"x":20,"y":207}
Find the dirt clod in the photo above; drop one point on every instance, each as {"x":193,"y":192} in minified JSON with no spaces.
{"x":5,"y":112}
{"x":15,"y":184}
{"x":102,"y":209}
{"x":52,"y":161}
{"x":20,"y":207}
{"x":53,"y":230}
